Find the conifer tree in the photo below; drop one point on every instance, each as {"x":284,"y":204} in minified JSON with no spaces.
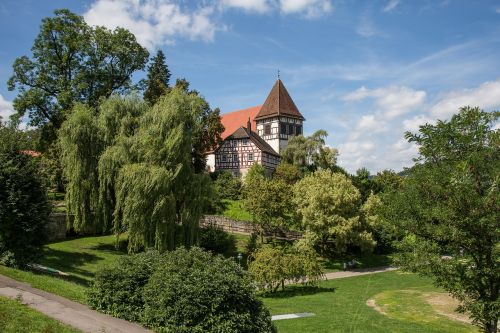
{"x":157,"y":83}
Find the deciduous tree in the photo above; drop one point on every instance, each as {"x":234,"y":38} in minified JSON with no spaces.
{"x":449,"y":210}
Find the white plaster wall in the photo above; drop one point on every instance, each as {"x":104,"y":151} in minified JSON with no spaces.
{"x":210,"y":162}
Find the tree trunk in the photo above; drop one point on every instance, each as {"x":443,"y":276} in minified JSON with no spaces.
{"x":492,"y":327}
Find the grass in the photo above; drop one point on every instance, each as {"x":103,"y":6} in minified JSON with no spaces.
{"x":80,"y":258}
{"x":340,"y":306}
{"x":234,"y":209}
{"x":18,"y":318}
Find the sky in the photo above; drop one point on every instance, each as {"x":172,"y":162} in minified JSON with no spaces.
{"x":364,"y":71}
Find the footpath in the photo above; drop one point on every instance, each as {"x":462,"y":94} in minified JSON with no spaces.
{"x":68,"y":312}
{"x":358,"y":272}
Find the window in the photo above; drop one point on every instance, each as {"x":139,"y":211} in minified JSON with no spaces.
{"x":291,"y":129}
{"x":250,"y":157}
{"x":245,"y":142}
{"x":267,"y":129}
{"x":235,"y":157}
{"x":298,"y":129}
{"x":224,"y":158}
{"x":283,"y":129}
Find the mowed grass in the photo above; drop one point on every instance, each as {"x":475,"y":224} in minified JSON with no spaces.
{"x":340,"y":306}
{"x":234,"y":209}
{"x":80,"y":258}
{"x":18,"y":318}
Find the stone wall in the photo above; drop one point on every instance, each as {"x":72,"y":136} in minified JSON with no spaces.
{"x":246,"y":227}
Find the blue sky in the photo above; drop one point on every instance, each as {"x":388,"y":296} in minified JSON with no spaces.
{"x":365,"y":71}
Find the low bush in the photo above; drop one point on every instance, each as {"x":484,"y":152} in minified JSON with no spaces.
{"x":118,"y":290}
{"x":214,"y":239}
{"x":181,"y":291}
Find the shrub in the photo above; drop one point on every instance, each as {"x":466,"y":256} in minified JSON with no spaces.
{"x":194,"y":291}
{"x":24,"y":209}
{"x":272,"y":267}
{"x":118,"y":290}
{"x":213,"y":238}
{"x":228,"y":186}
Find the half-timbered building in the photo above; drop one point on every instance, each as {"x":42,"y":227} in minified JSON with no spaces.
{"x":258,"y":134}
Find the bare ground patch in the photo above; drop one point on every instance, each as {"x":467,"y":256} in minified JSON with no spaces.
{"x":445,"y":305}
{"x":371,"y":303}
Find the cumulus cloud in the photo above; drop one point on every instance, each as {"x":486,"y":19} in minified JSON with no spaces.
{"x":391,"y":5}
{"x":6,"y":109}
{"x":154,"y":22}
{"x":260,"y":6}
{"x":486,"y":96}
{"x":311,"y":8}
{"x":392,"y":101}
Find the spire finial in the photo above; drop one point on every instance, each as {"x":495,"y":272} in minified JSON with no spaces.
{"x":278,"y":73}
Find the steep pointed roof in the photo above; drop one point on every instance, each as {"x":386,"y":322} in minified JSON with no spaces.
{"x":279,"y":102}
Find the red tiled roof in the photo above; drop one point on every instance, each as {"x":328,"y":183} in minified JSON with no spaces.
{"x":279,"y":102}
{"x":234,"y":120}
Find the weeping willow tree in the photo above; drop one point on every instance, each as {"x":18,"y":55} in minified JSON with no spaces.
{"x":159,"y":197}
{"x":81,"y":145}
{"x":132,"y":167}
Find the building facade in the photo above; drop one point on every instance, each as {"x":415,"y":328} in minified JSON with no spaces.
{"x":258,"y":134}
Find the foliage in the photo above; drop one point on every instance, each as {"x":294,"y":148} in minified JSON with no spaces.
{"x":72,"y":62}
{"x":228,"y":186}
{"x":329,"y":203}
{"x":288,"y":173}
{"x":268,"y":200}
{"x":387,"y":180}
{"x":81,"y":146}
{"x":157,"y":79}
{"x":214,"y":239}
{"x":310,"y":153}
{"x":118,"y":290}
{"x":271,"y":267}
{"x":132,"y":167}
{"x":24,"y":209}
{"x":363,"y":182}
{"x":448,"y":209}
{"x":194,"y":291}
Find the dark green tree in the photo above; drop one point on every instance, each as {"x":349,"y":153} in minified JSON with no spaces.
{"x":72,"y":62}
{"x":448,"y":208}
{"x":157,"y":83}
{"x":24,"y":209}
{"x":364,"y":183}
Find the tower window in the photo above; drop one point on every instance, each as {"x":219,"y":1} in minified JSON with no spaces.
{"x":283,"y":129}
{"x":298,"y":130}
{"x":267,"y":129}
{"x":250,"y":157}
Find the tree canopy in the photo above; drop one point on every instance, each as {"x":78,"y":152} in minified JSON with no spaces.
{"x":158,"y":77}
{"x":448,"y":210}
{"x":72,"y":62}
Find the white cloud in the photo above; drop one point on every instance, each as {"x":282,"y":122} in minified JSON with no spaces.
{"x":413,"y":124}
{"x":154,"y":22}
{"x":311,"y":8}
{"x":392,"y":101}
{"x":486,"y":96}
{"x":6,"y":109}
{"x":260,"y":6}
{"x":391,"y":5}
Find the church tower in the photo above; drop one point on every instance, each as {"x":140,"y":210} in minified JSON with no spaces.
{"x":278,"y":119}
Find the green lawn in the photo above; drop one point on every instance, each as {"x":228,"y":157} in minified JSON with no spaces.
{"x":80,"y":258}
{"x":18,"y":318}
{"x":340,"y":306}
{"x":234,"y":209}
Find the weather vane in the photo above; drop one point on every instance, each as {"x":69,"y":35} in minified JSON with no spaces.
{"x":278,"y":73}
